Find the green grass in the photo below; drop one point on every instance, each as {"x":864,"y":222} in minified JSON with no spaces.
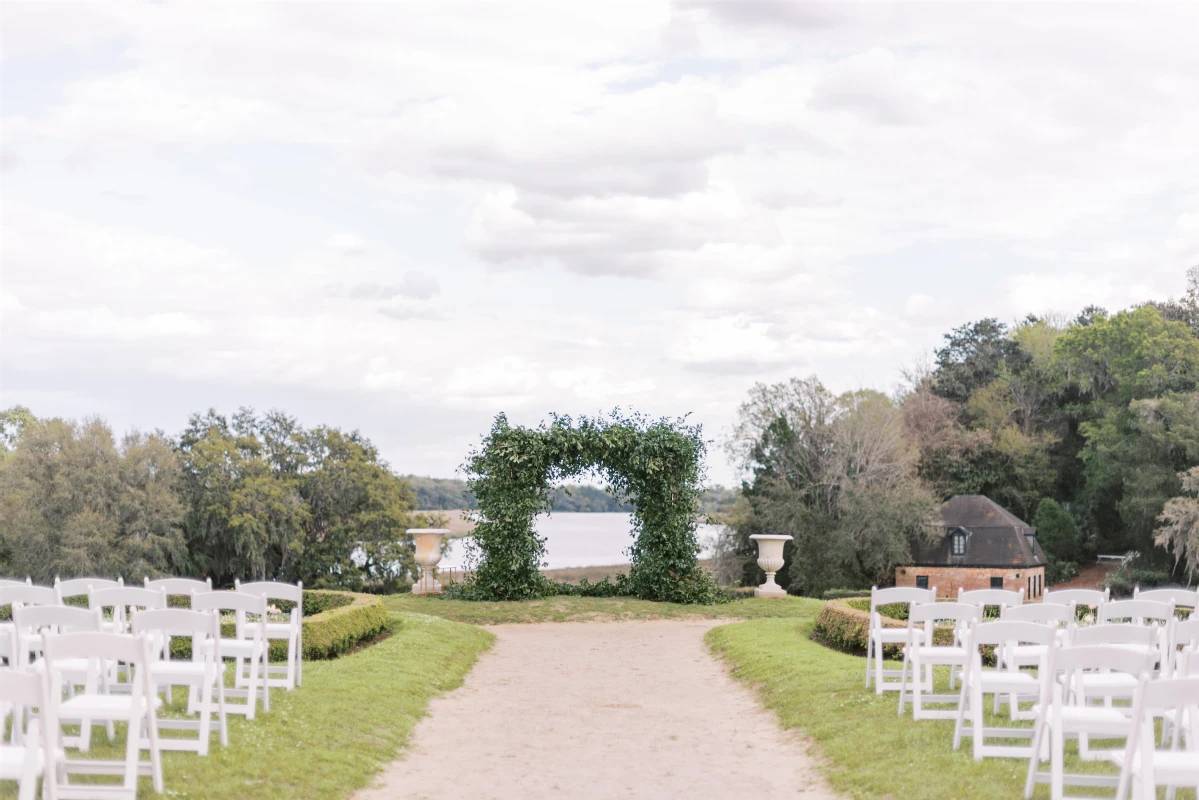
{"x":868,"y":751}
{"x":581,"y":609}
{"x":330,"y":736}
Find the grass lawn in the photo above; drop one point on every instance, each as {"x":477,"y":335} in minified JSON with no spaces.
{"x":330,"y":736}
{"x":579,"y":609}
{"x":869,"y":751}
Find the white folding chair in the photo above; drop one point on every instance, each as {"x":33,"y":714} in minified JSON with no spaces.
{"x":122,"y":599}
{"x":15,"y":581}
{"x":1060,"y":718}
{"x":136,"y":709}
{"x":82,"y":587}
{"x":1143,"y":765}
{"x":23,"y":757}
{"x":1183,"y":638}
{"x":991,"y":597}
{"x":28,"y":595}
{"x":1007,"y":680}
{"x":1181,"y":598}
{"x":203,"y":674}
{"x":291,"y":631}
{"x":249,"y":643}
{"x":1079,"y":597}
{"x":880,"y":636}
{"x":179,"y":587}
{"x":920,"y":655}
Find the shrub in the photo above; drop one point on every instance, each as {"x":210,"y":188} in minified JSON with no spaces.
{"x":845,"y":625}
{"x":841,"y":594}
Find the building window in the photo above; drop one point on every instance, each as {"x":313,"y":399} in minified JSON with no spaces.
{"x":959,"y":544}
{"x":996,"y":583}
{"x":921,"y":581}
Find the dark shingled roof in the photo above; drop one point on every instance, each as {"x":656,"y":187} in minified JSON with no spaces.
{"x":995,"y":537}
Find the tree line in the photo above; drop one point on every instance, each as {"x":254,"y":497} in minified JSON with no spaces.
{"x":1088,"y":428}
{"x":252,"y":496}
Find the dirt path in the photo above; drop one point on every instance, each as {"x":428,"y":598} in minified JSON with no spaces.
{"x":600,"y":710}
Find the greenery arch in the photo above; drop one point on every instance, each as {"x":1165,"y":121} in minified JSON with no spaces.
{"x":655,"y":464}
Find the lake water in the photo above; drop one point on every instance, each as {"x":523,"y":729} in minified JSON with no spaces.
{"x":584,"y":540}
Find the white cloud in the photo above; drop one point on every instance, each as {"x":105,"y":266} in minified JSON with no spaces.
{"x":346,"y":243}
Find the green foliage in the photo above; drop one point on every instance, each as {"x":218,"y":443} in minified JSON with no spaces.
{"x":344,"y":624}
{"x":845,"y":625}
{"x":972,"y":358}
{"x":1134,"y":571}
{"x":75,"y":502}
{"x":1056,"y":531}
{"x":655,"y":464}
{"x":838,"y":474}
{"x":267,"y":498}
{"x":1179,"y":524}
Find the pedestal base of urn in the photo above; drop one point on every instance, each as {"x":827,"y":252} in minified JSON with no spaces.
{"x":427,"y":586}
{"x":770,"y":589}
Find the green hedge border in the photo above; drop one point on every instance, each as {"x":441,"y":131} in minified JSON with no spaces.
{"x":335,"y":623}
{"x":843,"y":627}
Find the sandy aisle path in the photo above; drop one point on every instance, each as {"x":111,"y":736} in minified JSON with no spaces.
{"x":600,"y":710}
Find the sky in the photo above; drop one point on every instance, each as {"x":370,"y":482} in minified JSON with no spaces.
{"x":406,"y":217}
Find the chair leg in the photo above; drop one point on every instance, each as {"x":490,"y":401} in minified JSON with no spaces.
{"x":133,"y":749}
{"x":252,"y":689}
{"x":903,"y":682}
{"x":869,"y":651}
{"x":976,"y":708}
{"x":205,"y":715}
{"x":916,"y":691}
{"x":1034,"y":760}
{"x":961,"y":719}
{"x":155,"y":751}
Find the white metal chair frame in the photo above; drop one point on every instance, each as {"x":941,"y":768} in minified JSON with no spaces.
{"x":81,"y":587}
{"x":137,"y":709}
{"x":249,"y":643}
{"x":1059,"y":718}
{"x":179,"y":587}
{"x":880,"y":636}
{"x":1177,"y":766}
{"x":29,"y":595}
{"x":292,"y":631}
{"x":1181,"y":598}
{"x":23,"y":757}
{"x":203,"y":674}
{"x":1093,"y":598}
{"x":921,"y":656}
{"x":1003,"y":680}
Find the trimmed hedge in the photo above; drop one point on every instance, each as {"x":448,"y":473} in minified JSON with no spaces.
{"x":845,"y":625}
{"x":334,"y":623}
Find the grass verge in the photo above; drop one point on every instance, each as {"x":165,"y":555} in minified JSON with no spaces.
{"x":330,"y":736}
{"x":868,"y":751}
{"x":578,"y":609}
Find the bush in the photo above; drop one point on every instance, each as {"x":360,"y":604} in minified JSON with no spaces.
{"x":841,"y":594}
{"x":1133,"y":573}
{"x":845,"y":625}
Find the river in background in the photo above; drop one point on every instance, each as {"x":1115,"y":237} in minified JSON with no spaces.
{"x":585,"y":540}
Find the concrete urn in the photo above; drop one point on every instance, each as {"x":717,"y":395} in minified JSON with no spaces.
{"x":770,"y":559}
{"x":428,"y":554}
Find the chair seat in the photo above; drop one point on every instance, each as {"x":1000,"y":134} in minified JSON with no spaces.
{"x":237,"y":647}
{"x":101,"y":706}
{"x":1092,"y":719}
{"x":1008,"y":680}
{"x":1107,"y":683}
{"x":939,"y":655}
{"x":890,"y":635}
{"x":1166,"y":763}
{"x":165,"y":671}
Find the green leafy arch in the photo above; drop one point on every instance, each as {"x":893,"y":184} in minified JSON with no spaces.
{"x":655,"y":464}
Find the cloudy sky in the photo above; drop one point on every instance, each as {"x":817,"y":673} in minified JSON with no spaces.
{"x":406,"y":217}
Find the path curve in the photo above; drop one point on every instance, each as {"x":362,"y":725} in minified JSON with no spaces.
{"x":600,"y":710}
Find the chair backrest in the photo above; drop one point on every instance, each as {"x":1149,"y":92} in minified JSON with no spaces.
{"x":1040,"y":612}
{"x":241,"y":603}
{"x":59,"y":619}
{"x":291,"y":592}
{"x":1182,"y":642}
{"x":1108,"y":634}
{"x":14,"y":581}
{"x":21,"y":688}
{"x":179,"y":586}
{"x":1071,"y":658}
{"x":1011,"y":632}
{"x":176,"y":622}
{"x":29,"y":595}
{"x":900,"y":594}
{"x":123,"y":597}
{"x":1137,"y":611}
{"x":991,"y":597}
{"x":109,"y":646}
{"x":1082,"y":597}
{"x":933,"y":612}
{"x":1152,"y":699}
{"x":1187,"y":598}
{"x":76,"y":587}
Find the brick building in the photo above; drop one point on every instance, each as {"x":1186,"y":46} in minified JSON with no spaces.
{"x":981,"y":546}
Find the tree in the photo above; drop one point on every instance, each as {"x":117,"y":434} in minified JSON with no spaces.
{"x":12,"y":421}
{"x":836,"y":472}
{"x":971,"y":358}
{"x":1179,"y":524}
{"x":73,"y":502}
{"x":1056,"y":530}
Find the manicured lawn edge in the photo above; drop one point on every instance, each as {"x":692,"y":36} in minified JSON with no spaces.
{"x":330,"y":633}
{"x":868,"y":751}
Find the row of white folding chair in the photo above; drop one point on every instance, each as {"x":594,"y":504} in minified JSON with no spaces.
{"x":1183,"y":598}
{"x":1143,"y":765}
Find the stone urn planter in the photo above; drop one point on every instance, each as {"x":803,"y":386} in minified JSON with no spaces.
{"x":770,"y":559}
{"x":428,"y":554}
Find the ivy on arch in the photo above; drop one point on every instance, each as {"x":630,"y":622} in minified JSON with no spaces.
{"x":654,"y":464}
